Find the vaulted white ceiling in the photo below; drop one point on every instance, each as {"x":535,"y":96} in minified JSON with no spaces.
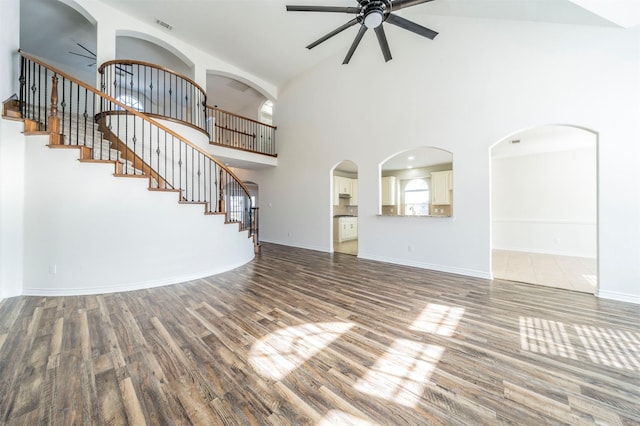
{"x":261,"y":37}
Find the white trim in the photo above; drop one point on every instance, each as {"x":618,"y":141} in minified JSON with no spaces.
{"x":129,"y":286}
{"x":620,"y":297}
{"x":531,"y":250}
{"x":290,"y":244}
{"x":547,"y":221}
{"x":430,"y":266}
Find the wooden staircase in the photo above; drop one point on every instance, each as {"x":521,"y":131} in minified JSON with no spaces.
{"x":108,"y":148}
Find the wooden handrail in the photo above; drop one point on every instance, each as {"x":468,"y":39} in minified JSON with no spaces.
{"x":150,"y":65}
{"x":242,"y":117}
{"x":135,"y":113}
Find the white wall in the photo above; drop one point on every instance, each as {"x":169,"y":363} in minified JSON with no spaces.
{"x":546,"y":203}
{"x":476,"y":83}
{"x":89,"y":232}
{"x":11,"y":158}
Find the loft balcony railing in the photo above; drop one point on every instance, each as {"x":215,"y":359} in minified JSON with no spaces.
{"x":155,"y":91}
{"x":104,"y":128}
{"x":234,"y":131}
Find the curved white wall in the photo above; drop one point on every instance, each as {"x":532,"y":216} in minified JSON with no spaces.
{"x":476,"y":83}
{"x":88,"y":232}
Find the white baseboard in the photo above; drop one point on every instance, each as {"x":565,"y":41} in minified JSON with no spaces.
{"x":430,"y":266}
{"x":69,"y":291}
{"x":620,"y":297}
{"x":294,"y":244}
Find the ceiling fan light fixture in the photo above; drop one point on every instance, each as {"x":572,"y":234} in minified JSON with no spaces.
{"x":373,"y":19}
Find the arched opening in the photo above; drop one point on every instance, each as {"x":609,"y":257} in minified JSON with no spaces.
{"x":344,"y":208}
{"x":41,"y":24}
{"x":266,"y":112}
{"x":143,"y":48}
{"x":234,"y":96}
{"x":417,"y":182}
{"x":544,"y":208}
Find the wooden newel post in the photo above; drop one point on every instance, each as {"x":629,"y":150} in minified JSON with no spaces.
{"x":54,"y":120}
{"x":221,"y":192}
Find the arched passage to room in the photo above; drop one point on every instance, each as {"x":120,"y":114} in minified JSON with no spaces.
{"x":344,"y":207}
{"x":544,"y":207}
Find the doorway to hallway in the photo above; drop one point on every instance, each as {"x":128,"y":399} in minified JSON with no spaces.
{"x":544,"y":208}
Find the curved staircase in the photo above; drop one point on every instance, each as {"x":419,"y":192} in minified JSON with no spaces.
{"x":72,"y":115}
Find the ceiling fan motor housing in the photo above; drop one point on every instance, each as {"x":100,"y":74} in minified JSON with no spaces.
{"x":374,"y":12}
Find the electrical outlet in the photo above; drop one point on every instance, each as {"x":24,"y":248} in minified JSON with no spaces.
{"x":53,"y":269}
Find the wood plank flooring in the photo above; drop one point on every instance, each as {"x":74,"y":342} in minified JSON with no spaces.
{"x":300,"y":337}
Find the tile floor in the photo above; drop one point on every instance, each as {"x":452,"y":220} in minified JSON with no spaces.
{"x":567,"y":272}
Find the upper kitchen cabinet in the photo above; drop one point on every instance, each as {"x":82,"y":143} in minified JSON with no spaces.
{"x":345,"y":184}
{"x":418,"y":182}
{"x":389,"y":184}
{"x":441,"y":187}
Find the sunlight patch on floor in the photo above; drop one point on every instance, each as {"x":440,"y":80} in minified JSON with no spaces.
{"x":279,"y":353}
{"x":401,"y":374}
{"x":613,"y":348}
{"x":438,"y":319}
{"x":338,"y":417}
{"x":545,"y":337}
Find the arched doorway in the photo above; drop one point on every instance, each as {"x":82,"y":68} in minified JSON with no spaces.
{"x":544,"y":208}
{"x":344,"y":208}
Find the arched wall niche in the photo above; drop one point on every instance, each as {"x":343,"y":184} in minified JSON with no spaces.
{"x":235,"y":94}
{"x":146,"y":48}
{"x":417,"y":182}
{"x":81,"y":10}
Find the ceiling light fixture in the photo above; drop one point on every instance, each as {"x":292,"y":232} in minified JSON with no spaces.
{"x":411,"y":157}
{"x":373,"y":19}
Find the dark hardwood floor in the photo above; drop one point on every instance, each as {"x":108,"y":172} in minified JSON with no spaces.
{"x":302,"y":337}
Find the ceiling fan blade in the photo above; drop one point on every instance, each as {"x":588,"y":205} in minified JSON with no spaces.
{"x":124,"y":71}
{"x":401,"y":4}
{"x":332,"y":33}
{"x":411,"y":26}
{"x":355,"y":44}
{"x":84,"y":56}
{"x":384,"y":45}
{"x":87,"y":50}
{"x":339,"y":9}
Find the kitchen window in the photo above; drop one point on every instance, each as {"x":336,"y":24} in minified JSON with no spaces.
{"x":416,"y":197}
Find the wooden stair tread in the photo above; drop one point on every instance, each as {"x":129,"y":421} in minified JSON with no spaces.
{"x":164,"y":189}
{"x":129,"y":176}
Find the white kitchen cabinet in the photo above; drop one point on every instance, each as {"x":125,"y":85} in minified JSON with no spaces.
{"x":441,"y":187}
{"x":345,"y":229}
{"x":389,"y":188}
{"x":343,"y":185}
{"x":354,"y":193}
